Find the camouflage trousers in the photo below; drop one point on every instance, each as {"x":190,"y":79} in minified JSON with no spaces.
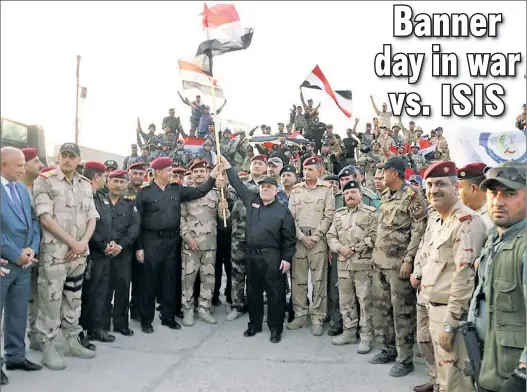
{"x":192,"y":263}
{"x":59,"y":295}
{"x":355,"y":296}
{"x":335,"y":317}
{"x":449,"y":366}
{"x":424,"y":340}
{"x":315,"y":261}
{"x":239,"y":273}
{"x":32,"y":313}
{"x":394,"y":313}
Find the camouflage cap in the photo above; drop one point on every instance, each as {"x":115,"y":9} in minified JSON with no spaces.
{"x":509,"y":174}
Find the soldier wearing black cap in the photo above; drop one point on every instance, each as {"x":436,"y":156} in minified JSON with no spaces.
{"x":402,"y":222}
{"x":271,"y":244}
{"x":351,"y":238}
{"x":132,"y":158}
{"x":111,"y":165}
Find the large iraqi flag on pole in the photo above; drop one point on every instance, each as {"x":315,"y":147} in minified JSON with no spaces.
{"x":317,"y":81}
{"x":193,"y":77}
{"x":223,"y":34}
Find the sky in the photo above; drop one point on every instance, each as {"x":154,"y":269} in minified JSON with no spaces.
{"x":130,"y":51}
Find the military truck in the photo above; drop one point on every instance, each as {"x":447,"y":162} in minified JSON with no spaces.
{"x":20,"y":135}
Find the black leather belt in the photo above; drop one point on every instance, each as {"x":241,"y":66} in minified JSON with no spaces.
{"x":165,"y":233}
{"x":261,"y":251}
{"x":436,"y":304}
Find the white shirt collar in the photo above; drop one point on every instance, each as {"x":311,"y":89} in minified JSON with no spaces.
{"x":4,"y":181}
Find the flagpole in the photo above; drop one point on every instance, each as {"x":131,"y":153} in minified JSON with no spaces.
{"x":77,"y":102}
{"x":218,"y":151}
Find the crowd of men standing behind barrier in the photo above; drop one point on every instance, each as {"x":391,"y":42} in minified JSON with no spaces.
{"x":387,"y":269}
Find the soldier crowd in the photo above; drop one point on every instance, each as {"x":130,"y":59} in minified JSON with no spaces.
{"x":392,"y":263}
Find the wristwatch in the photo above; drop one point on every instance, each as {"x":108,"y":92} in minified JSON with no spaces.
{"x":448,"y":328}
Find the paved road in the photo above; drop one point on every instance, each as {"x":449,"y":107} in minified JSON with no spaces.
{"x":217,"y":358}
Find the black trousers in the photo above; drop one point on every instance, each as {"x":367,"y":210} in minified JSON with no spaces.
{"x":223,"y":259}
{"x":161,"y":276}
{"x":264,"y":274}
{"x":95,"y":292}
{"x":120,"y":275}
{"x":137,"y":269}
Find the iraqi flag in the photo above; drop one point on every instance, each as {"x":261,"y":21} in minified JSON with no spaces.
{"x":317,"y":81}
{"x":193,"y":77}
{"x":223,"y":34}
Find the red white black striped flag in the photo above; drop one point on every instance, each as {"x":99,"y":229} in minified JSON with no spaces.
{"x":317,"y":81}
{"x":223,"y":34}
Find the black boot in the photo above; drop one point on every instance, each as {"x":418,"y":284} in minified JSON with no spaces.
{"x":101,"y":336}
{"x":86,"y":343}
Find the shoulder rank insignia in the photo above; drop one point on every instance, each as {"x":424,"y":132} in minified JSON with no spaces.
{"x":146,"y":185}
{"x":47,"y":174}
{"x":131,"y":198}
{"x":465,"y":218}
{"x":342,"y":209}
{"x":369,"y":208}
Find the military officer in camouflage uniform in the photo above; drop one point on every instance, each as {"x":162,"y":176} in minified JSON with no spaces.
{"x":402,"y":221}
{"x":349,"y":173}
{"x":334,"y":316}
{"x":132,"y":158}
{"x":414,"y":160}
{"x":198,"y":255}
{"x":238,"y":247}
{"x":312,"y":204}
{"x":181,"y":153}
{"x":446,"y":280}
{"x":64,"y":204}
{"x":351,"y":237}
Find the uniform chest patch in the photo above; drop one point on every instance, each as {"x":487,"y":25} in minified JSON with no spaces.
{"x":256,"y":205}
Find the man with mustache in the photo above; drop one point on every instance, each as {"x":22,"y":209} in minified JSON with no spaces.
{"x":238,"y":247}
{"x":198,"y":256}
{"x":444,"y":272}
{"x":470,"y":178}
{"x":312,"y":204}
{"x":64,"y":203}
{"x":352,"y":236}
{"x":498,"y":304}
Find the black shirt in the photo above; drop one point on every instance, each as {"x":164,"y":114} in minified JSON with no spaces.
{"x":350,"y":144}
{"x":268,"y":226}
{"x":103,"y":228}
{"x":125,"y":221}
{"x":160,"y":210}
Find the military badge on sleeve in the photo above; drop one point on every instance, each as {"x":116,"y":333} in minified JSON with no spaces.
{"x":417,"y":209}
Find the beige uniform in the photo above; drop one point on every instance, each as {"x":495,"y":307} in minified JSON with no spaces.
{"x":385,"y":118}
{"x":59,"y":281}
{"x":402,"y":222}
{"x":424,"y":340}
{"x":355,"y":228}
{"x":199,"y":223}
{"x":313,"y":210}
{"x":447,"y":284}
{"x":32,"y":313}
{"x":386,"y":142}
{"x":483,"y":211}
{"x":442,"y":146}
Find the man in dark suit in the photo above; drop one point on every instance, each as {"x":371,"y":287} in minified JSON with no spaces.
{"x":20,"y":244}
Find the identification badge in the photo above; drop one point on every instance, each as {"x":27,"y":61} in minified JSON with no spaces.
{"x":135,"y":209}
{"x":106,"y":201}
{"x":255,"y":205}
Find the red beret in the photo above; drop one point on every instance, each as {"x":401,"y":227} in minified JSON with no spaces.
{"x":471,"y":170}
{"x":260,"y":157}
{"x":117,"y":174}
{"x":161,"y":163}
{"x":440,"y":169}
{"x":46,"y":169}
{"x":29,"y":153}
{"x":179,"y":170}
{"x":242,"y":174}
{"x":94,"y":165}
{"x":137,"y":166}
{"x":312,"y":161}
{"x":199,"y":165}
